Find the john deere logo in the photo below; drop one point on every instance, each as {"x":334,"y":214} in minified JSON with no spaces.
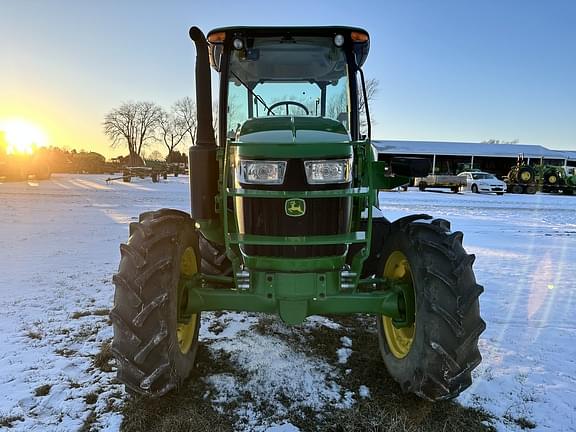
{"x":295,"y":207}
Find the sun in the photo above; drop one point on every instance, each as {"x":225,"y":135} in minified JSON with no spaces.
{"x":22,"y":136}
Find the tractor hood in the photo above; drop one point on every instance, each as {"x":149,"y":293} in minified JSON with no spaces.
{"x":292,"y":130}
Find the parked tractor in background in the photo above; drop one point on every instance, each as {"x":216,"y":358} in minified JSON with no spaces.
{"x":284,"y":220}
{"x":521,"y":178}
{"x":524,"y":178}
{"x":571,"y":178}
{"x":554,"y":179}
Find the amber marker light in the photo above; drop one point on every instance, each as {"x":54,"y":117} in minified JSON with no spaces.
{"x":218,"y":37}
{"x":358,"y":36}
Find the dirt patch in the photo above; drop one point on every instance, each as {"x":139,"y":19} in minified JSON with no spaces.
{"x":34,"y":334}
{"x":523,"y":422}
{"x":387,"y":407}
{"x":42,"y":390}
{"x":96,"y":312}
{"x":91,"y":398}
{"x":182,"y":410}
{"x":103,"y":360}
{"x":89,"y":422}
{"x":66,"y":352}
{"x":379,"y":404}
{"x":8,"y":421}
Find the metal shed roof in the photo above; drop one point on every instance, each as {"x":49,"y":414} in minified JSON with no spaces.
{"x":470,"y":149}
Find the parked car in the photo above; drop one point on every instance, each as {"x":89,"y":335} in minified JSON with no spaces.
{"x":483,"y":182}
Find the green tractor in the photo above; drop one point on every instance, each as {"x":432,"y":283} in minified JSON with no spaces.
{"x":522,"y":178}
{"x":284,"y":220}
{"x":555,"y":179}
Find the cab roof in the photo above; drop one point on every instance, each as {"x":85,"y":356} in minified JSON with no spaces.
{"x":329,"y":31}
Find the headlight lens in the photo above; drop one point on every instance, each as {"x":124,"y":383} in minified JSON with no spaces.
{"x":261,"y":172}
{"x":328,"y":171}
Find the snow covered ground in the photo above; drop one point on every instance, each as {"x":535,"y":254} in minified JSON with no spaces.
{"x":59,"y":248}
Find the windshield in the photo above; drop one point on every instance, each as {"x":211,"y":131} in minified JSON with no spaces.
{"x":480,"y":176}
{"x":296,"y":76}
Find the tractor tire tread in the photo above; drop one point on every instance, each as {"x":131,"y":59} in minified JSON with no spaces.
{"x":440,"y":363}
{"x":147,"y":354}
{"x":213,"y":258}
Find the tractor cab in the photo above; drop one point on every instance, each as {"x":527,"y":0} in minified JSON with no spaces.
{"x":300,"y":72}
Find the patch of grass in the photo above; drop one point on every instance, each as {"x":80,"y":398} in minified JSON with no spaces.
{"x":183,"y":410}
{"x":85,"y":332}
{"x":91,"y":398}
{"x":43,"y":390}
{"x":89,"y":422}
{"x":101,"y":312}
{"x":95,"y":312}
{"x":6,"y":421}
{"x":216,"y":327}
{"x":34,"y":334}
{"x":387,"y":408}
{"x":65,"y":352}
{"x":523,"y":422}
{"x":74,"y":385}
{"x":103,"y":359}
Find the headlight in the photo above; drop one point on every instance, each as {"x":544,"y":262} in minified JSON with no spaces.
{"x":261,"y":172}
{"x":328,"y":171}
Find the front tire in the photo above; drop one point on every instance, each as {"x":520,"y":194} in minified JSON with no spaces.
{"x":435,"y":356}
{"x":517,"y":189}
{"x":154,"y":352}
{"x":474,"y":188}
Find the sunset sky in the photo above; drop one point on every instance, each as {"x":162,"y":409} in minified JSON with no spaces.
{"x":448,"y":70}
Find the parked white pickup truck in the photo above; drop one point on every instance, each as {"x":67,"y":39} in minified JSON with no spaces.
{"x":452,"y":182}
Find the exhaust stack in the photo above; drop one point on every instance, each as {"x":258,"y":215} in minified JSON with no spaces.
{"x":203,"y":165}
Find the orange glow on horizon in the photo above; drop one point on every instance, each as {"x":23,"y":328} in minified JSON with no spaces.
{"x":22,"y":136}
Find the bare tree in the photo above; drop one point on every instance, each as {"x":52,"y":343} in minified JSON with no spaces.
{"x":132,"y":124}
{"x":184,"y":112}
{"x":155,"y":156}
{"x":497,"y":141}
{"x":372,"y":85}
{"x":172,"y":129}
{"x":338,"y":102}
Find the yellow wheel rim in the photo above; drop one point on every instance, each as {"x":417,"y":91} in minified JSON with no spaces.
{"x":186,"y":331}
{"x":552,"y":179}
{"x":526,"y":176}
{"x":399,"y":339}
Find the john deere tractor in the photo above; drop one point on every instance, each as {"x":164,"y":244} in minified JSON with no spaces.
{"x":521,"y":178}
{"x":284,"y":220}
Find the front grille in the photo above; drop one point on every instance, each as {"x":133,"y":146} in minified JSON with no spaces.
{"x":324,"y":216}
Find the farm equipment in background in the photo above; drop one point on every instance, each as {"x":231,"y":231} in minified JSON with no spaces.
{"x":452,"y":182}
{"x":571,"y":179}
{"x":153,"y":169}
{"x":554,"y":179}
{"x":524,"y":178}
{"x":22,"y":167}
{"x":521,"y":178}
{"x":284,"y":220}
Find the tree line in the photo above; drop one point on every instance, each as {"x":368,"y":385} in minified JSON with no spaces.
{"x":135,"y":125}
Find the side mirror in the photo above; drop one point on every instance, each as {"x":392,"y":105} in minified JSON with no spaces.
{"x":410,"y":166}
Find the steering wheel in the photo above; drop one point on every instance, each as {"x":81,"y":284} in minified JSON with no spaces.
{"x":287,"y":103}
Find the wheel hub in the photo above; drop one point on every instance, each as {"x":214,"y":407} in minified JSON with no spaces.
{"x":399,"y":339}
{"x":186,"y":330}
